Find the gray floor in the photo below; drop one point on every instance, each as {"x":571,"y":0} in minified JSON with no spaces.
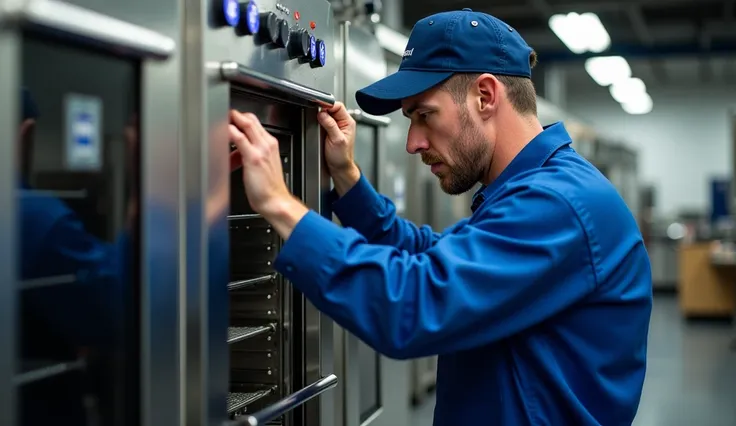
{"x":691,"y":377}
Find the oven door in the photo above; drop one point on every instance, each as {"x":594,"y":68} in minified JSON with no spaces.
{"x":368,"y":374}
{"x":76,"y":303}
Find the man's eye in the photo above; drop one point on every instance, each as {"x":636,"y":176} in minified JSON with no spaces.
{"x":423,"y":115}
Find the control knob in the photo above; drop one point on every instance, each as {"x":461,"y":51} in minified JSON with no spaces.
{"x":227,"y":12}
{"x":299,"y":44}
{"x":273,"y":29}
{"x":250,"y":22}
{"x":321,"y":57}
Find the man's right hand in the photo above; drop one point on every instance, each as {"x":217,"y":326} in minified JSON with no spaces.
{"x":340,"y":146}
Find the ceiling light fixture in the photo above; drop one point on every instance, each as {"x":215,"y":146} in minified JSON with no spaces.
{"x":580,"y":32}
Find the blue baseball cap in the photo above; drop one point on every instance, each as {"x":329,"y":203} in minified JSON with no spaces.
{"x":443,"y":44}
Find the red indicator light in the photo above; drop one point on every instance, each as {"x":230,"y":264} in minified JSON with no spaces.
{"x":297,"y":15}
{"x":312,"y":25}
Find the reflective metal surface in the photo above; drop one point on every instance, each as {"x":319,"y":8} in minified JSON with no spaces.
{"x":97,"y":165}
{"x":262,"y":58}
{"x":373,"y":389}
{"x":238,"y":73}
{"x":10,"y":113}
{"x":80,"y":24}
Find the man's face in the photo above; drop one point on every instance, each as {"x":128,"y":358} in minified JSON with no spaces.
{"x":449,"y":140}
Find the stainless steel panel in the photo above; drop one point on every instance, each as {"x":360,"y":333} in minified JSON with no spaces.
{"x":242,"y":74}
{"x":151,"y":31}
{"x":161,"y":194}
{"x":9,"y":116}
{"x":61,"y":18}
{"x":373,"y":389}
{"x":225,"y":67}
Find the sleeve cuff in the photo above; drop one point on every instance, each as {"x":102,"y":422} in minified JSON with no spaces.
{"x":358,"y":207}
{"x":305,"y":258}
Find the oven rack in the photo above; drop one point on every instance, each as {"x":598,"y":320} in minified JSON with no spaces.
{"x":49,"y":281}
{"x":248,"y":216}
{"x":37,"y":370}
{"x":237,"y":334}
{"x":237,"y":401}
{"x":241,"y":284}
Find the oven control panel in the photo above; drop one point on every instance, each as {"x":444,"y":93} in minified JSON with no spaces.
{"x":277,"y":26}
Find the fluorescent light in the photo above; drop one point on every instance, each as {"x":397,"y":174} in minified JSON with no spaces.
{"x":624,"y":90}
{"x":568,"y":34}
{"x":640,"y":104}
{"x":606,"y":70}
{"x":580,"y":32}
{"x":391,"y":40}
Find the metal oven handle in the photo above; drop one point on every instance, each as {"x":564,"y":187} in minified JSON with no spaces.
{"x":369,"y":119}
{"x":289,"y":403}
{"x":88,"y":26}
{"x":238,"y":73}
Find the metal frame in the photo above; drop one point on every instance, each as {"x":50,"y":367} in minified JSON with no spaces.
{"x":153,"y":43}
{"x":9,"y":51}
{"x":362,"y":62}
{"x":216,"y":57}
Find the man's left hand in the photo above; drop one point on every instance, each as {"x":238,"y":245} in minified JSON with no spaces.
{"x":263,"y":174}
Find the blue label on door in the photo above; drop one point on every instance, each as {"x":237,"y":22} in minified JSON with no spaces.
{"x":83,"y":132}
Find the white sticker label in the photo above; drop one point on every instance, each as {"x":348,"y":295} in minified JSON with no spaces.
{"x":83,"y":128}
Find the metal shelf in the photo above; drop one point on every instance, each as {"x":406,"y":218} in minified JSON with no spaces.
{"x":47,"y":281}
{"x":241,"y":284}
{"x":40,"y":370}
{"x":238,"y":400}
{"x":244,"y":216}
{"x":236,"y":334}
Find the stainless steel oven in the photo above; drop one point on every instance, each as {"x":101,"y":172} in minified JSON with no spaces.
{"x":89,"y":300}
{"x":257,"y":352}
{"x":373,"y":391}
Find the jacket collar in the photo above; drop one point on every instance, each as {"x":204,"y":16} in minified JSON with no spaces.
{"x":534,"y":154}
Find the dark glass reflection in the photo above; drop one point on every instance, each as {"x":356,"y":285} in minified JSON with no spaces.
{"x":78,"y":212}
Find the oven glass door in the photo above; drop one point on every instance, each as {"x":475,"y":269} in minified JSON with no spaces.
{"x":77,"y":197}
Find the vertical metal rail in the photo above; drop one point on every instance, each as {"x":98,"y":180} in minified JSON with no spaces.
{"x":9,"y":118}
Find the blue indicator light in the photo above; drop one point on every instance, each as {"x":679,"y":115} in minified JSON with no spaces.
{"x":232,"y":12}
{"x":322,"y":53}
{"x":312,"y":47}
{"x":251,"y":14}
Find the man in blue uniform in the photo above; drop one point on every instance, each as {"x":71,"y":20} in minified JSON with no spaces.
{"x":538,"y":304}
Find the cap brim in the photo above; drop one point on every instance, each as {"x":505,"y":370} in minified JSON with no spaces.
{"x":385,"y":95}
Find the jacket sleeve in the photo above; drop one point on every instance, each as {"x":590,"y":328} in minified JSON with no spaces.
{"x":374,"y":217}
{"x":86,"y":312}
{"x":518,"y":262}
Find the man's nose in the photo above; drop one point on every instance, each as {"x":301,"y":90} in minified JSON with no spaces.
{"x":416,"y":142}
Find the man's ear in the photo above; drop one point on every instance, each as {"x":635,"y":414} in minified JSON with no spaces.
{"x":488,"y":91}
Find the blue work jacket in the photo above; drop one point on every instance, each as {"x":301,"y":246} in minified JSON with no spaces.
{"x":538,"y":304}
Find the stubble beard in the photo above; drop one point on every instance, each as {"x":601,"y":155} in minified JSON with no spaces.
{"x":471,"y":153}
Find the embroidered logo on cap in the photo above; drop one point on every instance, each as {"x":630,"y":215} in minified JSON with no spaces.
{"x":408,"y":52}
